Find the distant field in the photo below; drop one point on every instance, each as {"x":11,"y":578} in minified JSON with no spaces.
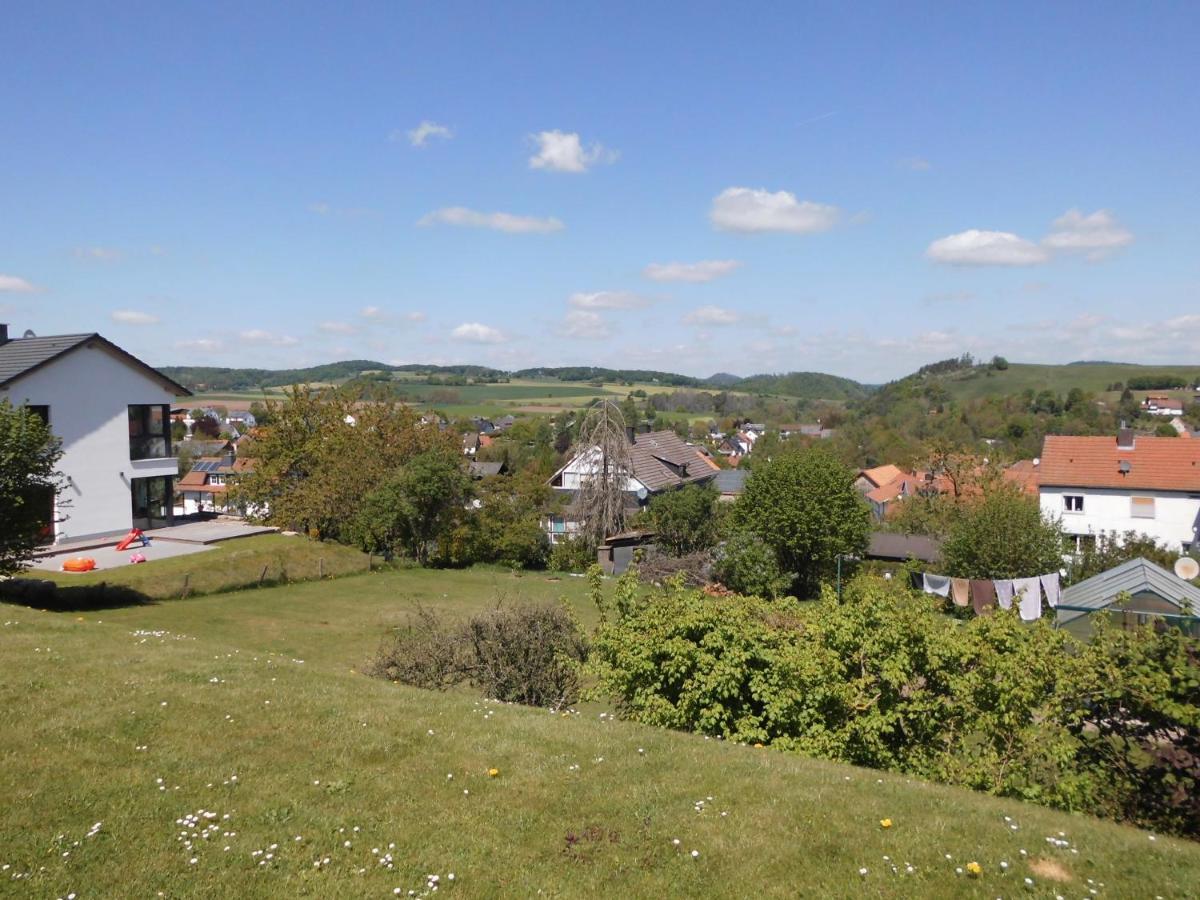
{"x":1059,"y":379}
{"x":229,"y":746}
{"x":529,"y":396}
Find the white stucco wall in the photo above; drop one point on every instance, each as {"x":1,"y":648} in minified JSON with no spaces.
{"x":1174,"y":522}
{"x":88,"y":391}
{"x":585,"y":466}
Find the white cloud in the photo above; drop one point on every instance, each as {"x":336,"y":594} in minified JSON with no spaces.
{"x":419,"y":136}
{"x":751,"y":211}
{"x":498,"y":221}
{"x":259,"y":336}
{"x":98,"y":254}
{"x":206,"y":345}
{"x":11,"y":284}
{"x":134,"y":317}
{"x":372,"y":312}
{"x":336,"y":327}
{"x":711,"y":315}
{"x":705,"y":270}
{"x":478,"y":333}
{"x":609,"y":300}
{"x":986,"y":248}
{"x":916,"y":164}
{"x":562,"y":151}
{"x":583,"y":324}
{"x":1095,"y":235}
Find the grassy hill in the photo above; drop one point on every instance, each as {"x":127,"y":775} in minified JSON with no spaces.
{"x":229,"y":746}
{"x":980,"y":381}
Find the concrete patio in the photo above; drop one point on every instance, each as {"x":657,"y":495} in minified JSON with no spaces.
{"x":177,"y":540}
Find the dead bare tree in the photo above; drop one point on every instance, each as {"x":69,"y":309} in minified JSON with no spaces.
{"x":604,"y":448}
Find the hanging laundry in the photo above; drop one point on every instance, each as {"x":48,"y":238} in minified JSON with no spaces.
{"x":1029,"y":594}
{"x":936,"y":584}
{"x":1004,"y":592}
{"x":1050,"y":586}
{"x":983,"y":596}
{"x":960,"y":590}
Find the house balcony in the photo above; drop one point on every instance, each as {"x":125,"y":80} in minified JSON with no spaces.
{"x":164,"y":467}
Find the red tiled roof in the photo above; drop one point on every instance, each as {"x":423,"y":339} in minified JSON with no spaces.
{"x":1155,"y":463}
{"x":192,"y":479}
{"x":881,"y":475}
{"x":1024,"y":474}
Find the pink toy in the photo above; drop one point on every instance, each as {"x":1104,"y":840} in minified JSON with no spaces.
{"x":138,"y":558}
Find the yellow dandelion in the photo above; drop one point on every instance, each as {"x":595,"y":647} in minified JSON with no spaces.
{"x":492,"y":773}
{"x":885,"y":823}
{"x":974,"y":869}
{"x":759,"y":746}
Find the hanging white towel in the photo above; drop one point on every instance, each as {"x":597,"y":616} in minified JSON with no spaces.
{"x":1050,"y":586}
{"x":1029,"y":595}
{"x":1004,"y":592}
{"x":936,"y":584}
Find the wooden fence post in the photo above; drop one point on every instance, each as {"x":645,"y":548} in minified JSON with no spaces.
{"x":320,"y":567}
{"x":262,"y":576}
{"x":186,"y":579}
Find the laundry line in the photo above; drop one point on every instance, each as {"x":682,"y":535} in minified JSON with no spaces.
{"x":983,"y":594}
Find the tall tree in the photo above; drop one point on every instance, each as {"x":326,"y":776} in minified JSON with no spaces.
{"x":29,"y":453}
{"x":604,"y":444}
{"x":685,"y":521}
{"x":1003,"y":534}
{"x":415,"y":506}
{"x":803,"y":505}
{"x":323,"y":452}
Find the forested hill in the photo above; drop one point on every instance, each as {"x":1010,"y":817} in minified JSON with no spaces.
{"x":803,"y":385}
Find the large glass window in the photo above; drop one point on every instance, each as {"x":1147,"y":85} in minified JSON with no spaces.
{"x":148,"y":434}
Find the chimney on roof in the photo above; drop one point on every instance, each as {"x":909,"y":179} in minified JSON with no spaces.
{"x":631,"y":434}
{"x":4,"y":333}
{"x":1125,"y":437}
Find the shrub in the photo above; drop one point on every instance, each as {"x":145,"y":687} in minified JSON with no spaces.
{"x":520,"y":654}
{"x":882,"y":679}
{"x":685,"y":521}
{"x":527,"y":654}
{"x":425,"y":653}
{"x":749,"y":566}
{"x":572,"y":555}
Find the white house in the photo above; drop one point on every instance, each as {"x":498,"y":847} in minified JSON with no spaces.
{"x":659,"y":461}
{"x":1162,"y":405}
{"x":112,"y":413}
{"x":1149,"y":485}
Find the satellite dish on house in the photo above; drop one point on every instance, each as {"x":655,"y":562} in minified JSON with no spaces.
{"x":1187,"y":568}
{"x":28,"y":333}
{"x":642,"y":493}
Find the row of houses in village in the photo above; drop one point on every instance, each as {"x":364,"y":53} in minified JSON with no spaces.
{"x":113,"y":412}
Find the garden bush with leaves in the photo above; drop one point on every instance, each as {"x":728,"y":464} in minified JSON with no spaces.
{"x":885,"y":679}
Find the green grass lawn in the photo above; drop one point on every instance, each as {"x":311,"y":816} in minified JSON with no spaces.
{"x":247,"y":711}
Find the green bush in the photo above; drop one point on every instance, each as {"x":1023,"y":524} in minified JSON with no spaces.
{"x":749,"y":566}
{"x":883,"y":679}
{"x":572,"y":555}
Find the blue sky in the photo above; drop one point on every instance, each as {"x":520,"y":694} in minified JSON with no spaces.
{"x":692,"y":187}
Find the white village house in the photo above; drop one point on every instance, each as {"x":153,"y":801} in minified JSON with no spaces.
{"x":659,"y":461}
{"x":1149,"y":485}
{"x":112,"y":413}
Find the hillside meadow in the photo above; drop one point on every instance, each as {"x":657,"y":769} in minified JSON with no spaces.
{"x":229,"y":745}
{"x":1090,"y":377}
